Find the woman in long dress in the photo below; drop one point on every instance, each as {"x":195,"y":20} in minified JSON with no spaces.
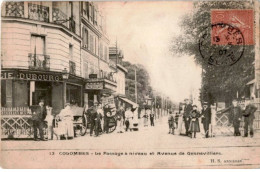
{"x":66,"y":124}
{"x":146,"y":115}
{"x":194,"y":122}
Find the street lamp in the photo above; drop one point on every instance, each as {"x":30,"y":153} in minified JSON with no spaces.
{"x":65,"y":74}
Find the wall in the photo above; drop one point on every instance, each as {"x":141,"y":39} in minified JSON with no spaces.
{"x":120,"y":75}
{"x":16,"y":46}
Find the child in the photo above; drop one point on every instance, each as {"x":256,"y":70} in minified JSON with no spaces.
{"x":194,"y":123}
{"x":171,"y":123}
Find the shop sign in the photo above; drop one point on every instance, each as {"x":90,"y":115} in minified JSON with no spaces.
{"x":94,"y":86}
{"x":108,"y":101}
{"x":24,"y":75}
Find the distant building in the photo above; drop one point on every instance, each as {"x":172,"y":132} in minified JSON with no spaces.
{"x":116,"y":56}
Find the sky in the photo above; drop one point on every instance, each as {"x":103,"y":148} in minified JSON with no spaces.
{"x":144,"y":31}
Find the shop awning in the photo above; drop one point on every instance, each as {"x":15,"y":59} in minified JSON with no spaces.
{"x":129,"y":101}
{"x":251,"y":82}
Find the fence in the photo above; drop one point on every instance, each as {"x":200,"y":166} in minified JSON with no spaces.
{"x":16,"y":122}
{"x":221,"y":121}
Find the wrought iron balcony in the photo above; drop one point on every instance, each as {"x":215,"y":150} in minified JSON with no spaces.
{"x":72,"y":69}
{"x":58,"y":16}
{"x":14,"y":9}
{"x":38,"y":12}
{"x":39,"y":61}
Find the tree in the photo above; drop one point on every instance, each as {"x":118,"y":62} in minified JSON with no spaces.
{"x":143,"y":82}
{"x":222,"y":82}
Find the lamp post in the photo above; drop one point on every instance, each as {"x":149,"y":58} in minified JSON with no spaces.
{"x":65,"y":77}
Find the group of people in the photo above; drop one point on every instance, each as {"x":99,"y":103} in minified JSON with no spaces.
{"x":146,"y":115}
{"x":191,"y":117}
{"x":42,"y":117}
{"x":98,"y":118}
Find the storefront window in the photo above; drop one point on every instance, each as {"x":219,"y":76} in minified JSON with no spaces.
{"x":73,"y":94}
{"x":3,"y":93}
{"x":43,"y":90}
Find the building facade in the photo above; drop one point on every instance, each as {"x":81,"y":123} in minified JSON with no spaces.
{"x":40,"y":42}
{"x":98,"y":73}
{"x":56,"y":51}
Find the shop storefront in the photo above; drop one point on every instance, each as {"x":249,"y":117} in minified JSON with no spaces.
{"x":21,"y":89}
{"x":98,"y":89}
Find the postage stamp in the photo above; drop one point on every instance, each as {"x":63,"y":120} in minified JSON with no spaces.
{"x":239,"y":18}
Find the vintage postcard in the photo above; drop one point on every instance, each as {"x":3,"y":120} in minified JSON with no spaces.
{"x":130,"y":84}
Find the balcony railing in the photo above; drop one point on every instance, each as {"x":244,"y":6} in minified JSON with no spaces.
{"x":72,"y":68}
{"x":39,"y":61}
{"x":14,"y":9}
{"x":108,"y":76}
{"x":58,"y":16}
{"x":38,"y":12}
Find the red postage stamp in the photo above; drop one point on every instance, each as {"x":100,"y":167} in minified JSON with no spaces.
{"x":239,"y":22}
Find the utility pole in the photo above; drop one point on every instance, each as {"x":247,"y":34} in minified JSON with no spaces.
{"x":116,"y":53}
{"x":135,"y":87}
{"x":155,"y":109}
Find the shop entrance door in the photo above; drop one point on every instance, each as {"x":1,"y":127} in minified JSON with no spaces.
{"x":42,"y":91}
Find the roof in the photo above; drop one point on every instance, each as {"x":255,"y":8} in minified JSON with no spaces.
{"x":129,"y":101}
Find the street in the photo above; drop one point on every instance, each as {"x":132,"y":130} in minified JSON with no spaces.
{"x":150,"y":147}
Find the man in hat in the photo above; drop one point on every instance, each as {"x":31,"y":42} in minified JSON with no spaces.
{"x":186,"y":115}
{"x":92,"y":113}
{"x":98,"y":119}
{"x":249,"y":117}
{"x":235,"y":116}
{"x":38,"y":117}
{"x":206,"y":118}
{"x":120,"y":119}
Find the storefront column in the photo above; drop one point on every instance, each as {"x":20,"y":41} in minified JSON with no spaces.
{"x":64,"y":93}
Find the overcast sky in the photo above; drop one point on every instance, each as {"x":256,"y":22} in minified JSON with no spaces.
{"x":144,"y":31}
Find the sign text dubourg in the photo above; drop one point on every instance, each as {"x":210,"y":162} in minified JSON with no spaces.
{"x":24,"y":75}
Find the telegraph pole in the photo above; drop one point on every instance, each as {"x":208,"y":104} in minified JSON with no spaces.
{"x":135,"y":87}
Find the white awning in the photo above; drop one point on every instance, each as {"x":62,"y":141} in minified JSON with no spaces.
{"x":251,"y":82}
{"x":129,"y":101}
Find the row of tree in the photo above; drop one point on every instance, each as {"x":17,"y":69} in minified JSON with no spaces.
{"x":219,"y":83}
{"x":144,"y":88}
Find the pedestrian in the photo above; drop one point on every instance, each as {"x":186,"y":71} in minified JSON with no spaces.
{"x":66,"y":124}
{"x":206,"y":118}
{"x":50,"y":122}
{"x":120,"y":119}
{"x":249,"y":117}
{"x":100,"y":112}
{"x":107,"y":113}
{"x":176,"y":119}
{"x":92,"y":113}
{"x":171,"y":123}
{"x":152,"y":118}
{"x":146,"y":115}
{"x":38,"y":118}
{"x":194,"y":122}
{"x":98,"y":119}
{"x":128,"y":119}
{"x":186,"y":115}
{"x":235,"y":113}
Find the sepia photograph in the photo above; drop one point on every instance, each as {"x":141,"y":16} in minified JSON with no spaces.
{"x":136,"y":84}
